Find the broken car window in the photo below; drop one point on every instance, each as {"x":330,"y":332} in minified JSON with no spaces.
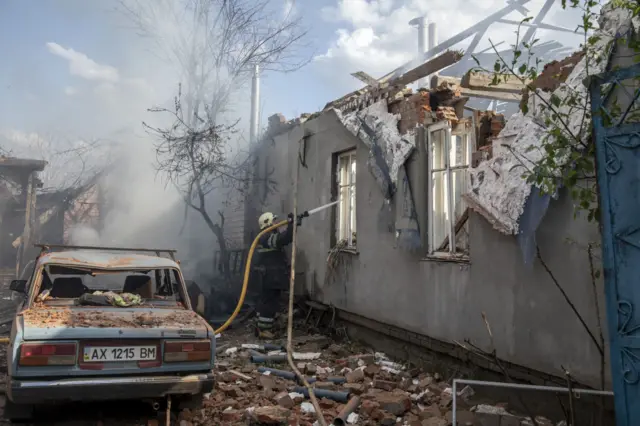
{"x":96,"y":287}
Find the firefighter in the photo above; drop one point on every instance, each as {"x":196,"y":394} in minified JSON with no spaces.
{"x":272,"y":268}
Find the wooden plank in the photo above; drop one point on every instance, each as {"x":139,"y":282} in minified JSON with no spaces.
{"x":473,"y":93}
{"x":434,"y":65}
{"x":478,"y":80}
{"x":366,"y":78}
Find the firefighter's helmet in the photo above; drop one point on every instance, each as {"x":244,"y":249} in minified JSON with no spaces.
{"x":266,"y":220}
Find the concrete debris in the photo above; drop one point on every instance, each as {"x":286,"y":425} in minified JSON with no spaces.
{"x":250,"y":394}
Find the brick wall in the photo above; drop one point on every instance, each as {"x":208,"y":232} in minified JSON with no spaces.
{"x":413,"y":110}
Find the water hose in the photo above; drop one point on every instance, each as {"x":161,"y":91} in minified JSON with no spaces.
{"x":247,"y":273}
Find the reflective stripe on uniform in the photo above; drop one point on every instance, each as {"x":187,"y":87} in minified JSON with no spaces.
{"x":273,"y":239}
{"x":266,"y":250}
{"x":265,"y":319}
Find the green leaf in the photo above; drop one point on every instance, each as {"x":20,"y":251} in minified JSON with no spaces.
{"x":555,"y":100}
{"x":496,"y":67}
{"x":522,"y":69}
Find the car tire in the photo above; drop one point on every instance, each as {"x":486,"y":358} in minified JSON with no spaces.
{"x":18,"y":413}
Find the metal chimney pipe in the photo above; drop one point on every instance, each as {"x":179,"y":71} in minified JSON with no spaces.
{"x":255,"y":106}
{"x":433,"y":35}
{"x":421,"y":24}
{"x":433,"y":42}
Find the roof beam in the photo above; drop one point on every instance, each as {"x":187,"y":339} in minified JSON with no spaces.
{"x":478,"y":80}
{"x":434,"y":65}
{"x":475,"y":93}
{"x":365,"y":78}
{"x":461,"y":36}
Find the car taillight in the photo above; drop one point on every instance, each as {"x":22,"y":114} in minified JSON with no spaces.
{"x":37,"y":354}
{"x":187,"y":351}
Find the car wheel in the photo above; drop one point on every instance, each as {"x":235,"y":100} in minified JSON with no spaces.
{"x":18,"y":413}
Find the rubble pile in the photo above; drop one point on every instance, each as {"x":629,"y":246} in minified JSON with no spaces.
{"x":255,"y":386}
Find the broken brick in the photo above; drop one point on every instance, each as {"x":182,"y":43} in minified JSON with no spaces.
{"x":371,"y":370}
{"x":384,"y":385}
{"x":231,"y":416}
{"x":284,"y":400}
{"x":430,"y":411}
{"x":354,"y":388}
{"x":273,"y":415}
{"x":355,"y":376}
{"x":396,"y":403}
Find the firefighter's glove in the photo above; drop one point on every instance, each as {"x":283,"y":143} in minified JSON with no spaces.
{"x":290,"y":217}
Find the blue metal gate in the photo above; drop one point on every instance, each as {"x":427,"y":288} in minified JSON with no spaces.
{"x":617,"y":138}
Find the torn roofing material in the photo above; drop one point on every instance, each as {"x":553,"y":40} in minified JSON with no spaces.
{"x":498,"y":190}
{"x":388,"y":150}
{"x":106,"y":260}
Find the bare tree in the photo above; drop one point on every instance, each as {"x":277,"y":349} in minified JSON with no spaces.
{"x":216,"y":44}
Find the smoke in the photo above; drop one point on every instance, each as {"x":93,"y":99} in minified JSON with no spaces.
{"x":102,"y":93}
{"x":82,"y":235}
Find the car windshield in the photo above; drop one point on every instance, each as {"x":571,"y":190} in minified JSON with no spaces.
{"x":94,"y":287}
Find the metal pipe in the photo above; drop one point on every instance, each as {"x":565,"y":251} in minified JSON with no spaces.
{"x":461,"y":36}
{"x":273,"y":347}
{"x":518,"y":386}
{"x":337,"y":396}
{"x":433,"y":35}
{"x":253,"y":353}
{"x":292,"y":376}
{"x":292,"y":281}
{"x":421,"y":24}
{"x":278,"y":373}
{"x":341,"y":418}
{"x":336,"y":380}
{"x":255,"y":105}
{"x":433,"y":42}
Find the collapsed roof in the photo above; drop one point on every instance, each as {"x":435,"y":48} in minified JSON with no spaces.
{"x":498,"y":191}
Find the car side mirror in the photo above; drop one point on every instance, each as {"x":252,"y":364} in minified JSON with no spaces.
{"x":18,"y":285}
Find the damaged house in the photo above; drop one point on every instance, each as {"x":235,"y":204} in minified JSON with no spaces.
{"x":29,"y":214}
{"x":436,"y":227}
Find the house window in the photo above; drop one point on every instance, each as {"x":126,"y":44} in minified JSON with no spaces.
{"x":449,"y":156}
{"x":346,"y":185}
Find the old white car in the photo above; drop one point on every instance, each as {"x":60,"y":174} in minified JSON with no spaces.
{"x":103,"y":324}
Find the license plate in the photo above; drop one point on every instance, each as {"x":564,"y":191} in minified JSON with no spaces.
{"x":119,"y":353}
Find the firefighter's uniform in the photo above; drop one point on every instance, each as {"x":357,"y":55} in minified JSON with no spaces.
{"x":272,"y":269}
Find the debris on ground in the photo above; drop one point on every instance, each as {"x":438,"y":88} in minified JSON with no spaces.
{"x":388,"y":392}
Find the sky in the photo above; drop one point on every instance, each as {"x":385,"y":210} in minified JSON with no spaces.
{"x":76,"y":70}
{"x":74,"y":65}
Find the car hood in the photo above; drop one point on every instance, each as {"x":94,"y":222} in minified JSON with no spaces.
{"x":43,"y":323}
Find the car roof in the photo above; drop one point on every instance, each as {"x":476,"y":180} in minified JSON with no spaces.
{"x":99,"y":259}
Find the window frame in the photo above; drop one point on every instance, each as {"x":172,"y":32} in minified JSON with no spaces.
{"x":446,"y":125}
{"x":352,"y":155}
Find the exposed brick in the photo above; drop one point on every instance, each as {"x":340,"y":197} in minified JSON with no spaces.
{"x":446,"y":113}
{"x":497,"y":124}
